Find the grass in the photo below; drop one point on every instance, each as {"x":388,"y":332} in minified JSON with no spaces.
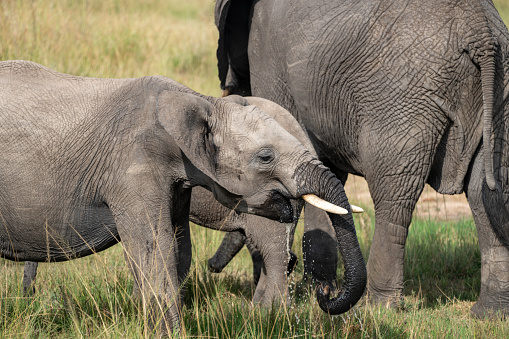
{"x":116,"y":38}
{"x":90,"y":297}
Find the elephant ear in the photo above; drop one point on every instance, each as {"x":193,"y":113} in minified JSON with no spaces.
{"x":189,"y":120}
{"x":232,"y":20}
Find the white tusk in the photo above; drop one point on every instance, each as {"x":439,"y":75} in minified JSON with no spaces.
{"x":323,"y":205}
{"x":356,"y":209}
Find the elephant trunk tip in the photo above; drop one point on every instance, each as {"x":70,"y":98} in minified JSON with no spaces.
{"x":346,"y":299}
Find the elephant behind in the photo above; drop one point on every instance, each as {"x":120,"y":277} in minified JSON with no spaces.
{"x":402,"y":93}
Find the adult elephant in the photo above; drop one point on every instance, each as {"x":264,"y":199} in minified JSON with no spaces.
{"x":85,"y":162}
{"x":401,"y":92}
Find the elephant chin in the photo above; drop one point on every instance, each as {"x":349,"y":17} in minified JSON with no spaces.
{"x":275,"y":207}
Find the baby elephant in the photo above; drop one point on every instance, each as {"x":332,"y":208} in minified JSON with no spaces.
{"x":268,"y":244}
{"x":85,"y":162}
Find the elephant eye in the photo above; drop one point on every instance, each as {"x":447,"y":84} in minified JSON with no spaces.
{"x":265,"y":156}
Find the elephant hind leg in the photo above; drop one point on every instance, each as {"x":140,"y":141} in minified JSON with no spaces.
{"x":232,"y":243}
{"x":491,"y":216}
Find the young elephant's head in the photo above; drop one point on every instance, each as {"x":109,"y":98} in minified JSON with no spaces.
{"x":243,"y":155}
{"x":253,"y":164}
{"x":246,"y":158}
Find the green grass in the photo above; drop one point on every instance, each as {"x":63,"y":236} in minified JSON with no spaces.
{"x":503,"y":9}
{"x":90,"y":297}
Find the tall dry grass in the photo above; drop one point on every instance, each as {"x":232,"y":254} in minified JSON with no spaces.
{"x":90,"y":297}
{"x":118,"y":39}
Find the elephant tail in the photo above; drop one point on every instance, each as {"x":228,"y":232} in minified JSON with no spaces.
{"x":487,"y":65}
{"x":483,"y":46}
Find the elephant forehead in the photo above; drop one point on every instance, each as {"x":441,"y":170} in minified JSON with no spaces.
{"x":249,"y":117}
{"x":258,"y":127}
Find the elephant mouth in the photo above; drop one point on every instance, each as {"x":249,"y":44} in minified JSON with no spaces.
{"x":276,"y":207}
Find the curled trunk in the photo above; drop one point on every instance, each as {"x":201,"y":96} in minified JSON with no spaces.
{"x":314,"y":178}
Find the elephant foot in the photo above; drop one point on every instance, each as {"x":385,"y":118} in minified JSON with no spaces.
{"x":492,"y":304}
{"x":493,"y":299}
{"x":389,"y":299}
{"x":385,"y":265}
{"x":214,"y":267}
{"x":486,"y":310}
{"x":231,"y":245}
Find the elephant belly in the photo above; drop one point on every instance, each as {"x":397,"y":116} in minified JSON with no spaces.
{"x":34,"y":235}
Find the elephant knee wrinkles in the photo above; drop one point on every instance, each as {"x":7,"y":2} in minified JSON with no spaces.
{"x":396,"y":234}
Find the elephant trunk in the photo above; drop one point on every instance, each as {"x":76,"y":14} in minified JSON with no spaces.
{"x":314,"y":178}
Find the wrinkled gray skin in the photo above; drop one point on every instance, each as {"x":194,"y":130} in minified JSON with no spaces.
{"x":401,"y":92}
{"x":268,"y":244}
{"x":266,"y":239}
{"x":85,"y":162}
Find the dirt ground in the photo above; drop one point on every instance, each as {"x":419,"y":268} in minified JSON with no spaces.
{"x":430,"y":205}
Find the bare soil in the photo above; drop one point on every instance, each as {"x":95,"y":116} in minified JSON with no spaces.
{"x":431,"y":205}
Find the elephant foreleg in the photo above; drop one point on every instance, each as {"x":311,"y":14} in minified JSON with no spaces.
{"x":231,"y":245}
{"x":154,"y":262}
{"x":257,"y":259}
{"x":29,"y":274}
{"x":273,"y":248}
{"x":393,"y":214}
{"x":153,"y":233}
{"x":395,"y":187}
{"x":258,"y":262}
{"x":185,"y":251}
{"x":136,"y":293}
{"x":385,"y":264}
